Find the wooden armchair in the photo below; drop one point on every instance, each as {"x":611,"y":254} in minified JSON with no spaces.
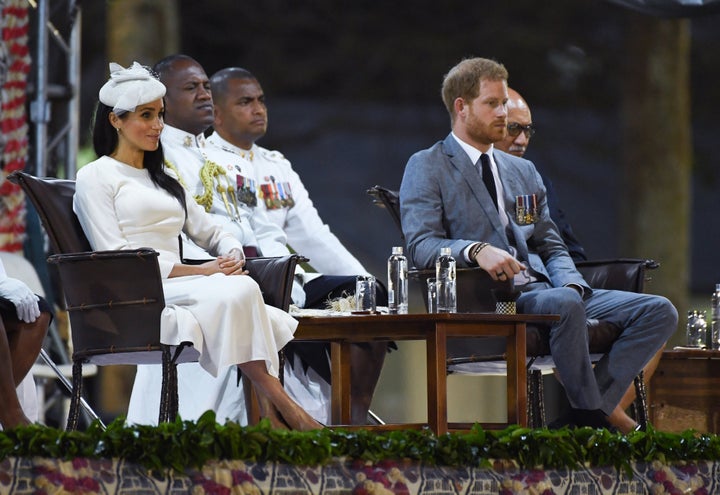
{"x":115,"y":298}
{"x":474,"y":288}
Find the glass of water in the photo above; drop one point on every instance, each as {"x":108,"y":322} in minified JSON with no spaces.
{"x":431,"y":295}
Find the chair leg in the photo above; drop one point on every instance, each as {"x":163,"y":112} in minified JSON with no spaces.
{"x":281,"y":373}
{"x":640,"y":410}
{"x":374,"y":418}
{"x":173,"y":399}
{"x":168,"y":390}
{"x":530,"y":400}
{"x":541,"y":400}
{"x":536,"y":399}
{"x":73,"y":416}
{"x":68,"y":386}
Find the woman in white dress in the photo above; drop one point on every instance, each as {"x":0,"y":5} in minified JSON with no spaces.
{"x":127,"y":199}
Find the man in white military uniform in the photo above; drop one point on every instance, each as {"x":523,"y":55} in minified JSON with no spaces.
{"x":240,"y":120}
{"x":188,"y":112}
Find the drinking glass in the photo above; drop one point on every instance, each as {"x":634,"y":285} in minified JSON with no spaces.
{"x":431,"y":295}
{"x":365,"y":293}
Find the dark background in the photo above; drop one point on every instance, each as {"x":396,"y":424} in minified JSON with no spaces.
{"x":353,"y":91}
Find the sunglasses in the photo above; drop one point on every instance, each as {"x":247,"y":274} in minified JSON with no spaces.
{"x":515,"y":129}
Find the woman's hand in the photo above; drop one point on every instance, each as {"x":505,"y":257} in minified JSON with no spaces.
{"x":233,"y":263}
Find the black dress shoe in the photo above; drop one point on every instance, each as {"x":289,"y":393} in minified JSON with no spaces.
{"x":576,"y":418}
{"x":566,"y":420}
{"x":594,"y":418}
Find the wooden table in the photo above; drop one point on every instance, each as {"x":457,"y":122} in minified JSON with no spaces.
{"x":684,"y":392}
{"x":435,"y":329}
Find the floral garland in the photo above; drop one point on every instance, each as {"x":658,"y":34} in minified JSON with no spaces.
{"x":15,"y":57}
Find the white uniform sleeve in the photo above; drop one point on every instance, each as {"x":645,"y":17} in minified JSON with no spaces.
{"x":271,"y":238}
{"x":203,"y":229}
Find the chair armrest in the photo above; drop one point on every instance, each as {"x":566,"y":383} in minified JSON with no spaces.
{"x":190,"y":261}
{"x":474,"y":285}
{"x":115,"y":298}
{"x":106,"y":278}
{"x":274,"y":275}
{"x":142,"y":253}
{"x":627,"y":274}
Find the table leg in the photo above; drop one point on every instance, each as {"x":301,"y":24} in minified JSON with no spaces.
{"x":437,"y":379}
{"x":341,"y":411}
{"x":517,"y":376}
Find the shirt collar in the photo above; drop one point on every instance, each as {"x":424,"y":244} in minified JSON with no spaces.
{"x":472,"y":151}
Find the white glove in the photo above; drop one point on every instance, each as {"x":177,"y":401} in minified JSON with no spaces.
{"x":298,"y":294}
{"x":26,"y":303}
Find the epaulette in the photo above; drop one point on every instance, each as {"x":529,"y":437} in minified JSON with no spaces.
{"x":272,"y":154}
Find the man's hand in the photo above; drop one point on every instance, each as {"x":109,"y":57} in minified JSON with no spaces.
{"x":500,"y":264}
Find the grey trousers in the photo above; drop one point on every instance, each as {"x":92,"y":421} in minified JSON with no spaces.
{"x":648,"y":322}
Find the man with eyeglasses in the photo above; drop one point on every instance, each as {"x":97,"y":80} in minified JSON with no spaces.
{"x":463,"y":194}
{"x":520,"y":129}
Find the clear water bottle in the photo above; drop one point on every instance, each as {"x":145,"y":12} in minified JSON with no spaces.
{"x":397,"y":282}
{"x":715,"y":322}
{"x":445,"y":282}
{"x":696,"y":329}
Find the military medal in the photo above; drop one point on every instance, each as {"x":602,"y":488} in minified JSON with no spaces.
{"x":246,"y":191}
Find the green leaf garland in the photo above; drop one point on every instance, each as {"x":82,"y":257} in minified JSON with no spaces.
{"x":184,"y":444}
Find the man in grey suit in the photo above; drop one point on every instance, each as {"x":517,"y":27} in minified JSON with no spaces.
{"x":448,"y":200}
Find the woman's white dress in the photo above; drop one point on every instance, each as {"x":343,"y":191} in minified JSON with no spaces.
{"x":223,"y":316}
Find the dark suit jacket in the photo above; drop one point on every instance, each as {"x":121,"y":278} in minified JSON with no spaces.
{"x":577,"y":252}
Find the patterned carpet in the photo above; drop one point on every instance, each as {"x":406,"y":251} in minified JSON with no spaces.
{"x":83,"y":476}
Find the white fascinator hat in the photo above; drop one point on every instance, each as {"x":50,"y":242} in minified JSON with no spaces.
{"x":128,"y":88}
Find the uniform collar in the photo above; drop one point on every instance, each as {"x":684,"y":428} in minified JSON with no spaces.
{"x":173,"y":136}
{"x":216,"y":140}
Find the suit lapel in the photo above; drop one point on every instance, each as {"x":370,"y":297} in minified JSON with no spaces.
{"x":509,"y":181}
{"x":511,"y":184}
{"x":461,"y":161}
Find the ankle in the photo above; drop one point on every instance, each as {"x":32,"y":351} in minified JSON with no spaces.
{"x":13,"y":419}
{"x":620,"y":420}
